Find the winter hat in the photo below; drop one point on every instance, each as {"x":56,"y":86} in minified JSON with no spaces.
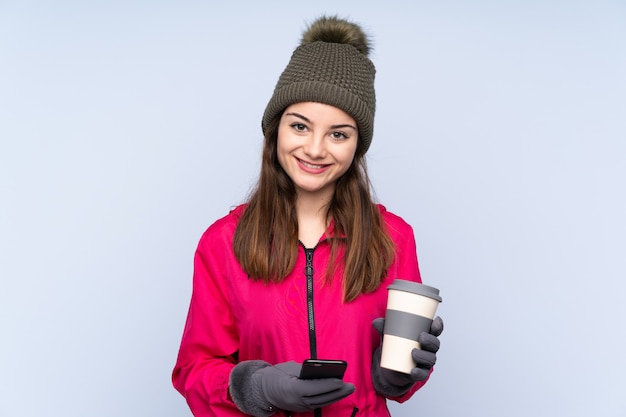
{"x":330,"y":66}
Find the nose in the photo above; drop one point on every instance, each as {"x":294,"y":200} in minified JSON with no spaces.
{"x":315,"y":147}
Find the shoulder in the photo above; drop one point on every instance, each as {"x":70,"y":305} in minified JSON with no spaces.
{"x":392,"y":220}
{"x":395,"y":224}
{"x":223,"y":229}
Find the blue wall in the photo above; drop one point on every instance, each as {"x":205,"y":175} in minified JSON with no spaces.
{"x":126,"y":128}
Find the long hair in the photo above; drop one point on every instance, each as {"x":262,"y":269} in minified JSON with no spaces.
{"x":266,"y":238}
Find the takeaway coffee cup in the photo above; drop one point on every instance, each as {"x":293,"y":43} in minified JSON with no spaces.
{"x":411,"y":308}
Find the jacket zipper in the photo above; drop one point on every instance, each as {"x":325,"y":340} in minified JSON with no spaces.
{"x":308,"y":271}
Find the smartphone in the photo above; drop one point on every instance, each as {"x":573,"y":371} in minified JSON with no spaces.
{"x":323,"y":368}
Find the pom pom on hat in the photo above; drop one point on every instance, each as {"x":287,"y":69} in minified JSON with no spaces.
{"x":335,"y":30}
{"x":330,"y":66}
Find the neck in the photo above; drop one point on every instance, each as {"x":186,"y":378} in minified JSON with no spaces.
{"x":311,"y":210}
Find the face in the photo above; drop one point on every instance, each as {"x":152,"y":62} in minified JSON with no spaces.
{"x":316,"y":146}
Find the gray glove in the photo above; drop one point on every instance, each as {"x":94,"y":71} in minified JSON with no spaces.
{"x":392,"y":383}
{"x":260,"y":389}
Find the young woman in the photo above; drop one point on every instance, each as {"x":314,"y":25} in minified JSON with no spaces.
{"x":302,"y":269}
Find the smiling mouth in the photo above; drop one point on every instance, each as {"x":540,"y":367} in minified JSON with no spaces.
{"x":310,"y":165}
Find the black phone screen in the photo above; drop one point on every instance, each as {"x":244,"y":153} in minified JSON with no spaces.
{"x":323,"y":368}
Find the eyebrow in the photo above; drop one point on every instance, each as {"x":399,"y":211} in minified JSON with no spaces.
{"x":306,"y":119}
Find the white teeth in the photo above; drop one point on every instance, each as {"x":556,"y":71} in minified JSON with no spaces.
{"x":306,"y":164}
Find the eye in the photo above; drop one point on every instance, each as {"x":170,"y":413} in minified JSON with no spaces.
{"x":299,"y":127}
{"x":339,"y":135}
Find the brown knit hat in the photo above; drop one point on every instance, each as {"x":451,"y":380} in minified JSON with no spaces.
{"x":330,"y":66}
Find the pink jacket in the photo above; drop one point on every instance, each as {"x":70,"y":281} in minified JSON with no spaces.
{"x":231,"y":313}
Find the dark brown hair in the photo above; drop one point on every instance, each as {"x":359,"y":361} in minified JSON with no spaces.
{"x":266,"y":238}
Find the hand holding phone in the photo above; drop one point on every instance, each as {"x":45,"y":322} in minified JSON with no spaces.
{"x":323,"y":368}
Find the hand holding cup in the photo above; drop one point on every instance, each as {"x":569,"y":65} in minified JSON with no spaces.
{"x":424,"y":358}
{"x":410,"y":333}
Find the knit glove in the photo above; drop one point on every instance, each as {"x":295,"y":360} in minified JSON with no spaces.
{"x":392,"y":383}
{"x":260,"y":389}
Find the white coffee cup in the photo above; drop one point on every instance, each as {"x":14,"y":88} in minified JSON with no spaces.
{"x":411,"y":308}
